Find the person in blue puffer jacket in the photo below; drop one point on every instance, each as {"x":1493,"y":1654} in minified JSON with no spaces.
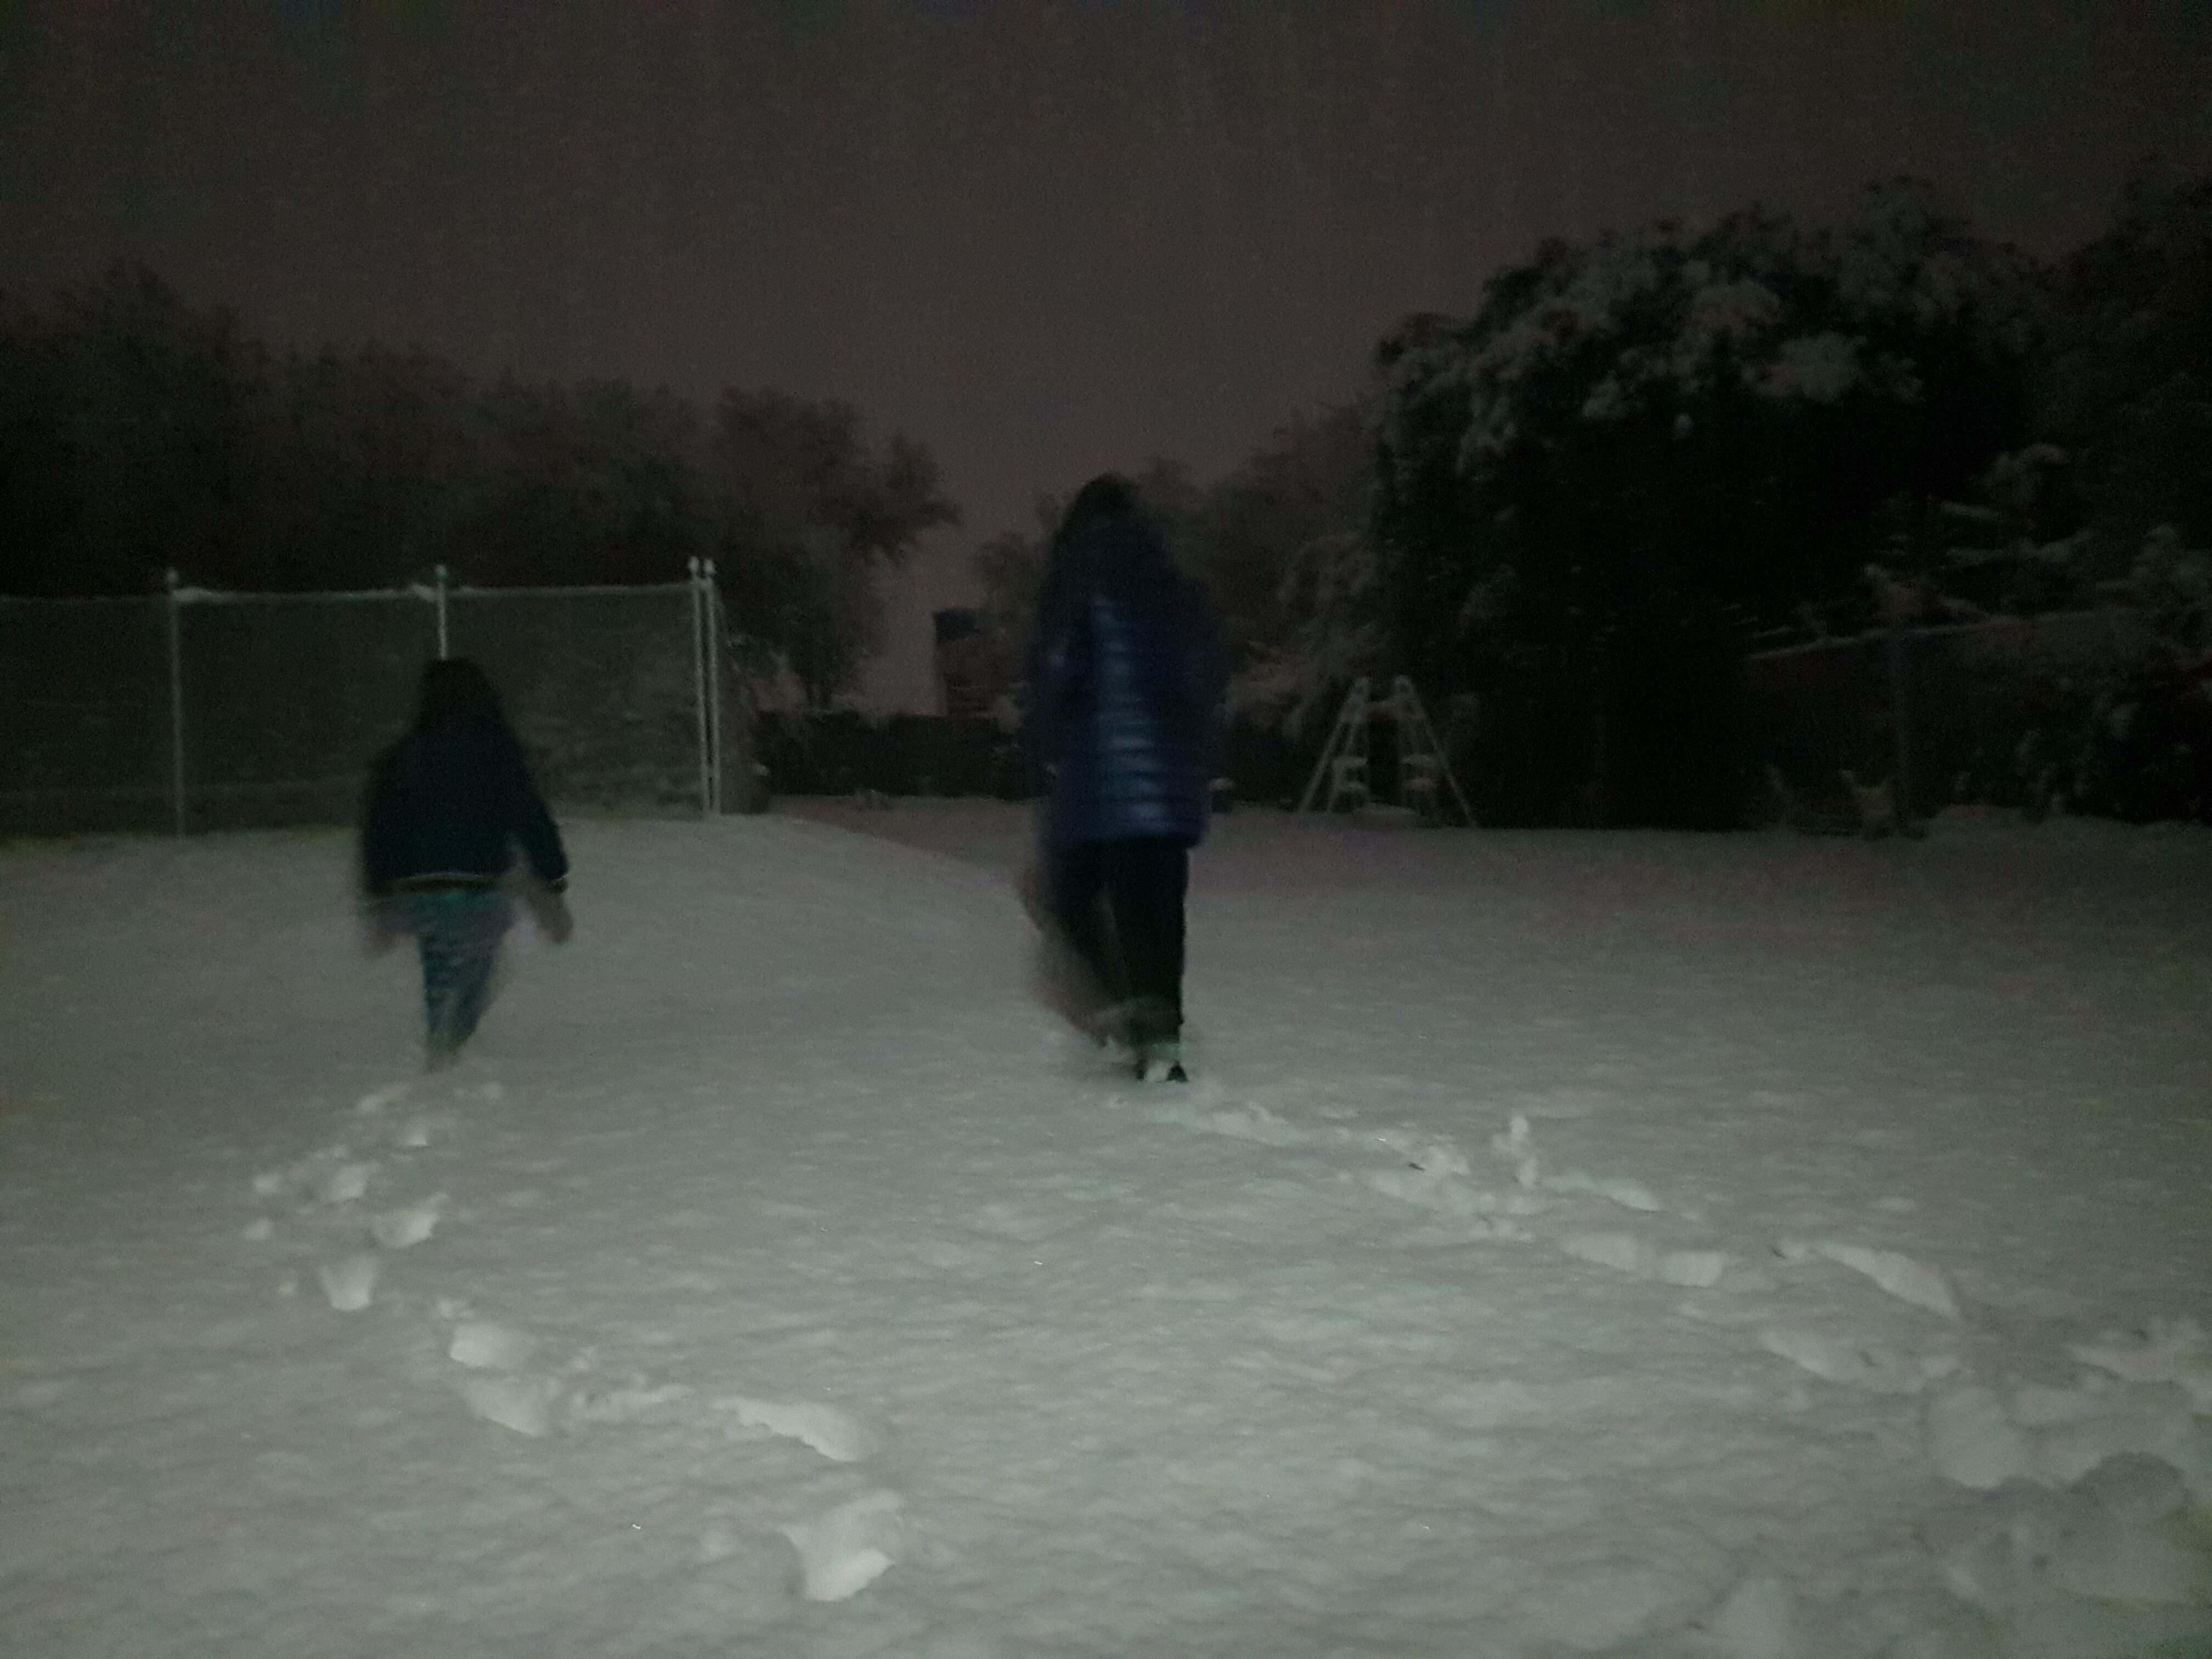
{"x":1122,"y":697}
{"x":446,"y":805}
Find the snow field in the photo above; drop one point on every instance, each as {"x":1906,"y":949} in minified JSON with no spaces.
{"x":1629,"y":1244}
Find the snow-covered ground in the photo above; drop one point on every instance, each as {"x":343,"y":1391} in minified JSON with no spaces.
{"x":1625,"y":1244}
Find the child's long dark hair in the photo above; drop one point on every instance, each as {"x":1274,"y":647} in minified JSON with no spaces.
{"x":1133,"y":563}
{"x":1108,"y":495}
{"x":456,"y":699}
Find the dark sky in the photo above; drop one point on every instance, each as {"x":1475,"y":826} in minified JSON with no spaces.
{"x":1045,"y":238}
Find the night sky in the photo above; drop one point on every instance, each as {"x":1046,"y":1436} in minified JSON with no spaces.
{"x":1045,"y":238}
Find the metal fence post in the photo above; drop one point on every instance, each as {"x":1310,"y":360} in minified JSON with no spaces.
{"x":1897,"y":602}
{"x":1900,"y":704}
{"x":1601,"y":680}
{"x":176,"y":705}
{"x":699,"y":689}
{"x":444,"y":646}
{"x":710,"y":609}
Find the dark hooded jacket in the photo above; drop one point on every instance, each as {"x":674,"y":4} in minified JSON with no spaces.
{"x":448,"y":803}
{"x":1123,"y":686}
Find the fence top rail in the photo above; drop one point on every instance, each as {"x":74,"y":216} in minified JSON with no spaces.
{"x":211,"y":595}
{"x":84,"y":598}
{"x":600,"y":588}
{"x":418,"y":591}
{"x":2116,"y":617}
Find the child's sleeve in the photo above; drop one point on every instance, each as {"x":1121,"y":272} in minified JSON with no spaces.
{"x":379,"y":828}
{"x":535,"y":829}
{"x":1059,"y":673}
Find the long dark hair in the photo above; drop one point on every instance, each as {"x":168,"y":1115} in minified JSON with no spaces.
{"x":1107,"y":496}
{"x":456,"y":699}
{"x":1105,"y":540}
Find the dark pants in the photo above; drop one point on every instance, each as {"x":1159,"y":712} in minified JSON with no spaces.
{"x":1119,"y":905}
{"x":459,"y":931}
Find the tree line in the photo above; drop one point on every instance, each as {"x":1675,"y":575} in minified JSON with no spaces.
{"x":1726,"y":426}
{"x":1715,"y":429}
{"x":1750,"y":430}
{"x":139,"y":433}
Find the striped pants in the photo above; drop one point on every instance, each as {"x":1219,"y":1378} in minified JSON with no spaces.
{"x":458,"y":934}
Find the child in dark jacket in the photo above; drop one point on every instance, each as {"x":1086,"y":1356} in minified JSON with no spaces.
{"x":447,"y":804}
{"x":1122,"y":704}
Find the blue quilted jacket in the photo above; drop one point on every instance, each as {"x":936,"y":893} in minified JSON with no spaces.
{"x":1123,"y":691}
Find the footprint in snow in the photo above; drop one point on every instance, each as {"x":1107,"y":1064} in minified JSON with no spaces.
{"x":504,"y":1392}
{"x":2174,"y":1351}
{"x":1856,"y":1364}
{"x":1629,"y":1194}
{"x":1562,"y":1104}
{"x":1900,"y":1274}
{"x":350,"y":1284}
{"x":2111,"y":1564}
{"x":1438,"y":1178}
{"x":2154,"y":1419}
{"x":377,"y":1100}
{"x":1599,"y":1605}
{"x":45,"y":1391}
{"x":312,"y":1171}
{"x":1006,"y":1221}
{"x":1208,"y":1115}
{"x":1436,"y":1188}
{"x":1757,"y":1619}
{"x":398,"y":1230}
{"x":837,"y":1435}
{"x":637,"y":1401}
{"x":1690,"y":1269}
{"x":1517,"y":1145}
{"x":483,"y":1345}
{"x":956,"y":1258}
{"x":524,"y":1404}
{"x":347,"y":1183}
{"x":842,"y":1553}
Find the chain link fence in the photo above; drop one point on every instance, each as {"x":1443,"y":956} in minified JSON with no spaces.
{"x":85,"y":716}
{"x":2033,"y":713}
{"x":195,"y":711}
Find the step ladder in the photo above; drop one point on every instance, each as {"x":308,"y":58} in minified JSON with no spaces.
{"x":1340,"y":782}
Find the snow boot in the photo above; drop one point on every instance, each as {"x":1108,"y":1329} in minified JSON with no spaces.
{"x":1161,"y":1062}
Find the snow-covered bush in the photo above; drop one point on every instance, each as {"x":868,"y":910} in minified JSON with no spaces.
{"x":1688,"y":420}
